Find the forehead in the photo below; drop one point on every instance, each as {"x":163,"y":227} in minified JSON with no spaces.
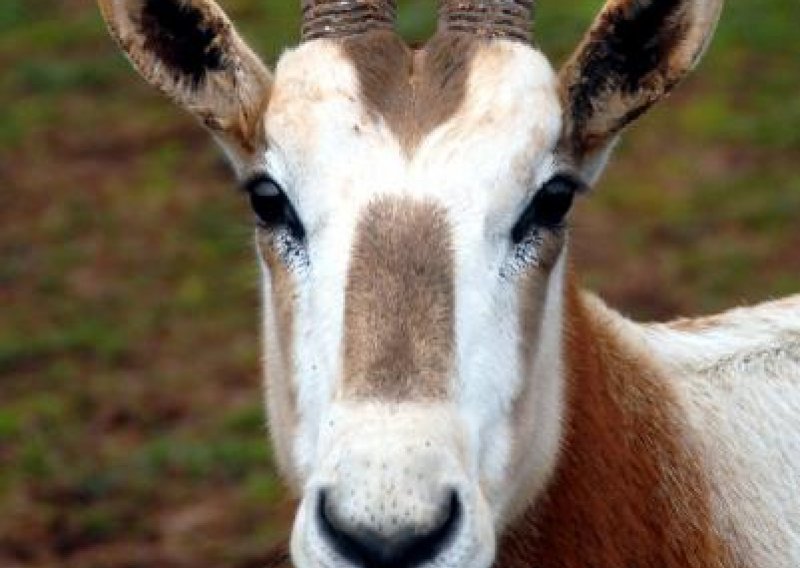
{"x":461,"y":117}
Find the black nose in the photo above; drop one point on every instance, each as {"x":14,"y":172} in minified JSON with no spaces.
{"x":403,"y":547}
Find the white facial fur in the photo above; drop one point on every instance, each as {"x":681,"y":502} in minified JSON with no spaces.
{"x":332,"y":158}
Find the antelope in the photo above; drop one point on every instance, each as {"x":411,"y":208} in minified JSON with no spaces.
{"x":440,"y":391}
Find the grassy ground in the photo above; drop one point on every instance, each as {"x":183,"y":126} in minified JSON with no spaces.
{"x":131,"y":429}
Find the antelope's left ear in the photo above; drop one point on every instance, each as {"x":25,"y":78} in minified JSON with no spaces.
{"x":189,"y":50}
{"x":634,"y":54}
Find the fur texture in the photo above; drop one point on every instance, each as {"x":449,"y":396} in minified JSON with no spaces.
{"x":413,"y":92}
{"x":399,"y":342}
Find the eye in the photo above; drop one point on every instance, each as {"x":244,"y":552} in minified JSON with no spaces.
{"x":548,"y":207}
{"x":272,"y":208}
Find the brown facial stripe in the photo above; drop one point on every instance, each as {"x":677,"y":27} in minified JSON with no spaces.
{"x":281,"y":389}
{"x":399,"y":303}
{"x":532,"y":298}
{"x":625,"y":56}
{"x":628,"y":490}
{"x":413,"y":92}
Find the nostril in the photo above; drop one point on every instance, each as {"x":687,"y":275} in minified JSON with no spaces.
{"x":406,"y":547}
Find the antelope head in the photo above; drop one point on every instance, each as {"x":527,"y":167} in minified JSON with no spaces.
{"x":411,"y":221}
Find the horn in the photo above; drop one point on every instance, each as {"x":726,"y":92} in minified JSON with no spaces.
{"x":511,"y":19}
{"x":342,"y":18}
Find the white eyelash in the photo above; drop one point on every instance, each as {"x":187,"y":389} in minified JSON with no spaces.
{"x":293,"y":254}
{"x":524,"y":254}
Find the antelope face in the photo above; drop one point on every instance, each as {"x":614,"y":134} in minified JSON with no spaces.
{"x":411,"y":213}
{"x":412,"y":224}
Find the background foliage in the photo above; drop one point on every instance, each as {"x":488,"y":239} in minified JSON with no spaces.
{"x":131,"y":428}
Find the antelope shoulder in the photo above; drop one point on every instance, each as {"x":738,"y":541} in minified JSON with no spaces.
{"x":737,"y":377}
{"x":751,"y":347}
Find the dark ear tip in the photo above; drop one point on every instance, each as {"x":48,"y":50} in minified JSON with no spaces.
{"x":183,"y":37}
{"x":636,"y":52}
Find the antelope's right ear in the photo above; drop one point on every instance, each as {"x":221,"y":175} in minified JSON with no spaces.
{"x":189,"y":50}
{"x":635,"y":53}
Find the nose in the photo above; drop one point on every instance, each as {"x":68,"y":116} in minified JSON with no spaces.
{"x":402,"y":546}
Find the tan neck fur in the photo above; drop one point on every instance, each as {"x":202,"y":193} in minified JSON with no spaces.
{"x":629,"y":489}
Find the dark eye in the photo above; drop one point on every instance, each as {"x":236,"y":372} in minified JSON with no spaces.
{"x":548,"y":207}
{"x":272,"y":208}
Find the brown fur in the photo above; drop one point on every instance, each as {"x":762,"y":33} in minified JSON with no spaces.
{"x":278,"y":556}
{"x":413,"y":91}
{"x":533,"y":293}
{"x":629,"y":490}
{"x":282,"y":391}
{"x":697,"y":324}
{"x":399,"y":303}
{"x":532,"y":298}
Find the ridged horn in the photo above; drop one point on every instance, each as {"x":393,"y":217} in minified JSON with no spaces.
{"x":342,"y":18}
{"x":510,"y":19}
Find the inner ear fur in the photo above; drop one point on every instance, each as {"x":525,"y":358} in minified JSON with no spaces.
{"x":634,"y":54}
{"x":189,"y":50}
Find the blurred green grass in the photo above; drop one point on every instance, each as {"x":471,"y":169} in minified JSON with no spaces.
{"x":131,"y":425}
